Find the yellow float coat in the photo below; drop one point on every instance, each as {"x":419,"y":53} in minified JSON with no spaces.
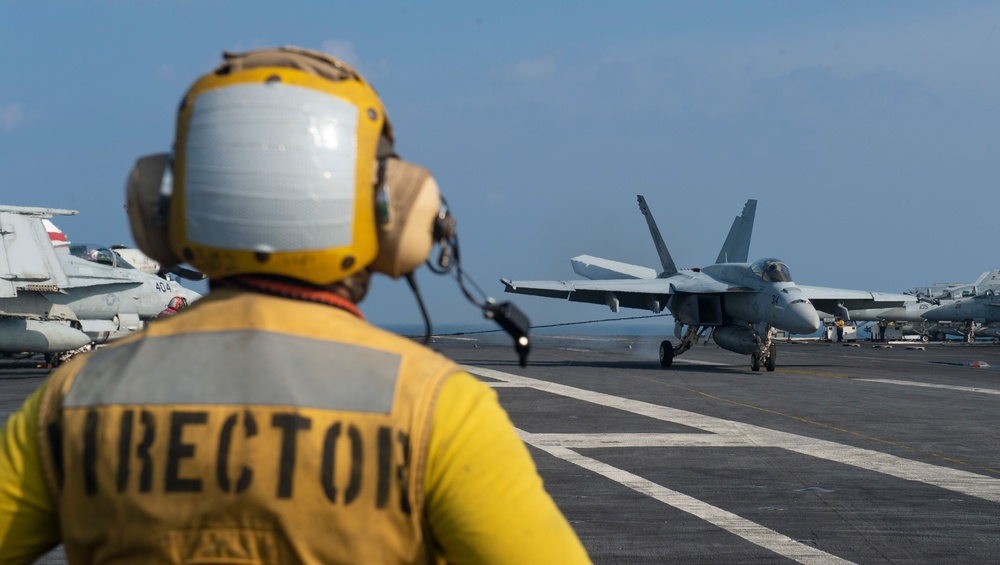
{"x":256,"y":429}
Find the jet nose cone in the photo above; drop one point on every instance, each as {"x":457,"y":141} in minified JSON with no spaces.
{"x":939,"y":314}
{"x":802,"y":319}
{"x":188,"y":294}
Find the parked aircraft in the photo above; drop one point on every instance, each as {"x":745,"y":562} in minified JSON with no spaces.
{"x":54,"y":302}
{"x":910,"y":317}
{"x":144,"y":263}
{"x":936,"y":293}
{"x":969,"y":312}
{"x":131,"y":255}
{"x":740,"y":302}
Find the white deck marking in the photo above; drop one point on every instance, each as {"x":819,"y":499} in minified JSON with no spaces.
{"x":931,"y":385}
{"x":705,"y":363}
{"x":965,"y":482}
{"x":728,"y":433}
{"x":746,"y":529}
{"x":591,"y":441}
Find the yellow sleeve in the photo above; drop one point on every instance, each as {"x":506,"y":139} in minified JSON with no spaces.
{"x":29,"y":525}
{"x":484,"y":498}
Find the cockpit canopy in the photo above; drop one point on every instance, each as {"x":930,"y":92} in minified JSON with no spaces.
{"x":98,"y":254}
{"x":771,"y":270}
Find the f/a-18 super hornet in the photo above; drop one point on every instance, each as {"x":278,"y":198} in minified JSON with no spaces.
{"x":55,"y":301}
{"x":132,"y":256}
{"x":943,"y":297}
{"x":972,"y":314}
{"x":739,"y":302}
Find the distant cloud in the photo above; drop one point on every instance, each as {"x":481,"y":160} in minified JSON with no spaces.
{"x":533,"y":70}
{"x":11,"y":116}
{"x":343,"y":50}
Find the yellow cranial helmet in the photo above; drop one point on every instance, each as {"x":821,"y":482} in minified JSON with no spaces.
{"x":273,"y":168}
{"x":278,"y":157}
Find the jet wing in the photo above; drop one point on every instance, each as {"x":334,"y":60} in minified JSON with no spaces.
{"x":642,"y":294}
{"x":28,"y":261}
{"x":830,"y":300}
{"x":595,"y":268}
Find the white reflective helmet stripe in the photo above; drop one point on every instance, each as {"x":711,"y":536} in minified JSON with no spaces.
{"x":271,"y":167}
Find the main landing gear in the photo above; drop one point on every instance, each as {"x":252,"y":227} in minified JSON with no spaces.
{"x":668,"y":351}
{"x":765,"y":355}
{"x":56,"y":359}
{"x":969,"y":332}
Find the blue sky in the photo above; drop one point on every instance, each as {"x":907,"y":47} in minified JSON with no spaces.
{"x":866,"y":130}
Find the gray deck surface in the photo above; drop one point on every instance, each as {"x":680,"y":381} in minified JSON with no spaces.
{"x":844,"y":454}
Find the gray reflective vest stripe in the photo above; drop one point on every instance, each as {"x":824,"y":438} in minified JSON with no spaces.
{"x":273,"y":369}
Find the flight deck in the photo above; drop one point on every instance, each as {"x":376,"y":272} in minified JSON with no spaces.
{"x":853,"y":453}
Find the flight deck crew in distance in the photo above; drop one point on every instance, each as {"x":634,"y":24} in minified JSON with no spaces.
{"x":288,"y":430}
{"x":175,"y":305}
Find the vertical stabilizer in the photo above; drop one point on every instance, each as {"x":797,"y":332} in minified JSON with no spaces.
{"x":661,"y":248}
{"x":27,"y":256}
{"x":987,"y":280}
{"x":737,"y":245}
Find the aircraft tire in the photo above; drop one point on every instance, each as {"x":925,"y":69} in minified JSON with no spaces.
{"x":754,"y":362}
{"x":924,"y":338}
{"x":772,"y":357}
{"x":939,"y":336}
{"x":666,"y":353}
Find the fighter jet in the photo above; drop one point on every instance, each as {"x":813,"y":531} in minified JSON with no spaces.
{"x":739,"y":302}
{"x":910,"y":317}
{"x":131,"y":255}
{"x":54,"y":302}
{"x":971,"y":312}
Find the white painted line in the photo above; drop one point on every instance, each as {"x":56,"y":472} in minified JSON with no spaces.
{"x":705,"y":363}
{"x":591,"y":441}
{"x":930,"y":385}
{"x":965,"y":482}
{"x":746,"y":529}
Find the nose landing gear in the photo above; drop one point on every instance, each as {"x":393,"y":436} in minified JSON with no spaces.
{"x":766,"y":355}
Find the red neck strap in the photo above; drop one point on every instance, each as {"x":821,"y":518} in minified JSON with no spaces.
{"x":291,"y":289}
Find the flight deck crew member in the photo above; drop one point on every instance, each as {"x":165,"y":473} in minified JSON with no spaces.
{"x":175,"y":305}
{"x":288,"y":430}
{"x":840,"y":329}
